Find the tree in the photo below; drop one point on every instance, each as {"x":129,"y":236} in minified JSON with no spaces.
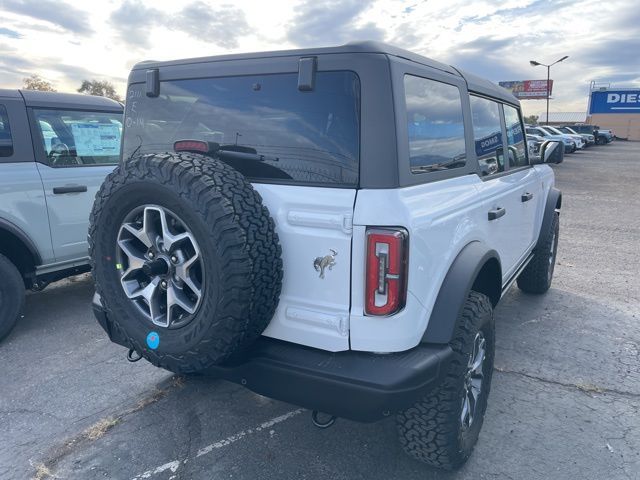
{"x":36,"y":82}
{"x":100,"y":88}
{"x":531,"y":119}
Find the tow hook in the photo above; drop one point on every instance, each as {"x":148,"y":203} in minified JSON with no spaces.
{"x":326,"y":424}
{"x":133,"y":356}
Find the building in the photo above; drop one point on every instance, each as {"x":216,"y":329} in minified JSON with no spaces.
{"x":617,"y":109}
{"x":562,"y":118}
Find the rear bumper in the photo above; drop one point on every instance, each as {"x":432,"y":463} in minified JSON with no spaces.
{"x":360,"y":386}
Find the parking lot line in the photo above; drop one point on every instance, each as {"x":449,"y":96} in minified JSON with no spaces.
{"x":175,"y":464}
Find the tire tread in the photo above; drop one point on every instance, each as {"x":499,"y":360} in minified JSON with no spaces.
{"x":248,"y":249}
{"x":429,"y":431}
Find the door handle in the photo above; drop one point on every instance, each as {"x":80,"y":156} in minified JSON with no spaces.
{"x":526,"y":197}
{"x":497,"y":213}
{"x":69,"y":189}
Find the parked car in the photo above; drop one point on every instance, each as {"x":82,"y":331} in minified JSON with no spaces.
{"x":55,"y":150}
{"x":578,"y":139}
{"x":586,"y":137}
{"x":569,"y":143}
{"x":330,"y":227}
{"x":602,"y":136}
{"x":608,"y":134}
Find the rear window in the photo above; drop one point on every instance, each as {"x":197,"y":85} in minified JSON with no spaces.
{"x":435,"y":125}
{"x":283,"y":135}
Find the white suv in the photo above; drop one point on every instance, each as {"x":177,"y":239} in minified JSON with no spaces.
{"x":329,"y":227}
{"x":55,"y":151}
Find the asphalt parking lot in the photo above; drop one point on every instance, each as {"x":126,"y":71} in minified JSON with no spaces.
{"x":565,"y":401}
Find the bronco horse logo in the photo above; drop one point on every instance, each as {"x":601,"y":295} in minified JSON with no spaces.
{"x":328,"y":261}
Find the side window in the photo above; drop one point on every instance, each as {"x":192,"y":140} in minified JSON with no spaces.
{"x":434,"y":124}
{"x":487,"y":135}
{"x":515,"y":138}
{"x":6,"y":143}
{"x":73,"y":138}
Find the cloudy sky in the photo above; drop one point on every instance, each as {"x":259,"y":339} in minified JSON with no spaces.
{"x":68,"y":41}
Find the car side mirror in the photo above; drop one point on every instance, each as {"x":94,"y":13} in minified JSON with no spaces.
{"x":551,"y":152}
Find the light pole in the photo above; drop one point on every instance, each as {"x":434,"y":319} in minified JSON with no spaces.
{"x":535,"y":64}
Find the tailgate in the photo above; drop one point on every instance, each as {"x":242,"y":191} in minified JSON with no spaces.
{"x":315,"y":229}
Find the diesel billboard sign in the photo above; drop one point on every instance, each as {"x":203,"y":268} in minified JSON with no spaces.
{"x":615,"y":101}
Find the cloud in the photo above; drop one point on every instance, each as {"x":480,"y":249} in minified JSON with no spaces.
{"x":487,"y":66}
{"x":221,"y":25}
{"x":491,"y":45}
{"x":133,"y":22}
{"x":12,"y":61}
{"x":617,"y":52}
{"x":485,"y":57}
{"x":63,"y":15}
{"x":494,"y":39}
{"x":330,"y":23}
{"x":15,"y":68}
{"x":7,"y":32}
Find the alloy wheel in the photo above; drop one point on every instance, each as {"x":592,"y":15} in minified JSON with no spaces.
{"x":161,"y":266}
{"x":473,"y":381}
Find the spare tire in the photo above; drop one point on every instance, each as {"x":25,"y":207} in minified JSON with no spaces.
{"x":185,"y":258}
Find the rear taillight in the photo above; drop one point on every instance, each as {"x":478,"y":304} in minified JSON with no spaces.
{"x":386,"y":277}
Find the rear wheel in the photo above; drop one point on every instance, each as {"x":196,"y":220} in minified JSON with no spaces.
{"x":442,"y":429}
{"x":537,"y":276}
{"x":11,"y":296}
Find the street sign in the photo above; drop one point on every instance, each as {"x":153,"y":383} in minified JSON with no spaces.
{"x":528,"y":89}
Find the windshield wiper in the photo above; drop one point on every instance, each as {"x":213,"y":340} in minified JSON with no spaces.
{"x":238,"y":152}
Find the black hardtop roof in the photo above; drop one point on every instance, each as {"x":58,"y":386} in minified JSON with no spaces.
{"x":475,"y":83}
{"x":35,"y":98}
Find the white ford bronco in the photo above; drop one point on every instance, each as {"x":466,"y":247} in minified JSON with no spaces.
{"x":330,"y":227}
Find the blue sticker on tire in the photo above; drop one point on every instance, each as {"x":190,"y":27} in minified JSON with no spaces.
{"x":153,"y":340}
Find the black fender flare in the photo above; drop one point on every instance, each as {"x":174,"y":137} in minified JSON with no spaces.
{"x":10,"y":228}
{"x":455,"y":289}
{"x":553,"y":205}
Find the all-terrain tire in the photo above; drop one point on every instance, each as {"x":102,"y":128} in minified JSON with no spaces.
{"x":537,"y":276}
{"x":11,"y":296}
{"x":238,"y":244}
{"x":431,"y":431}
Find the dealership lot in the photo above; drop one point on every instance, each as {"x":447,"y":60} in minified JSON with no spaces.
{"x":565,"y":401}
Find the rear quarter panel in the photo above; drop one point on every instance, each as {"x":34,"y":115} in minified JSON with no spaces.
{"x":442,"y":218}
